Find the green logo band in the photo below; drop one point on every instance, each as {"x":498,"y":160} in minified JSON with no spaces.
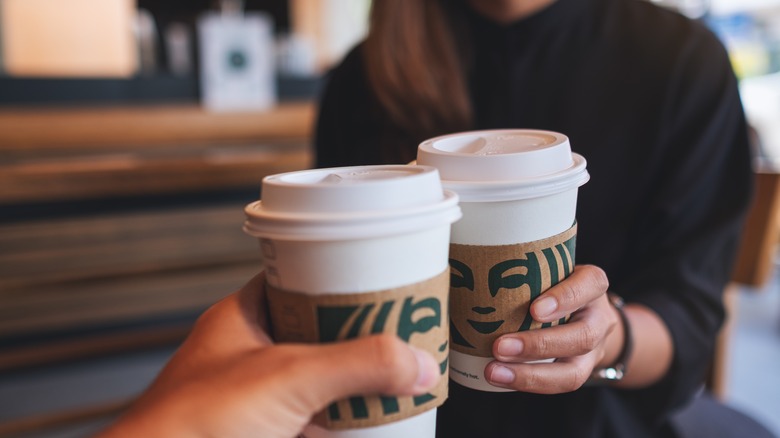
{"x":415,"y":313}
{"x":491,"y":287}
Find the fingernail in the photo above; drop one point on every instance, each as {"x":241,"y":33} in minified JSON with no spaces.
{"x":545,"y":306}
{"x":501,"y":374}
{"x":510,"y":347}
{"x":427,"y":371}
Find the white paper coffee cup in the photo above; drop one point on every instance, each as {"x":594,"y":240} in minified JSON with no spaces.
{"x":515,"y":186}
{"x":333,"y":232}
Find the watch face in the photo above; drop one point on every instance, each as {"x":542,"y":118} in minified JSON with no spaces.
{"x":612,"y":374}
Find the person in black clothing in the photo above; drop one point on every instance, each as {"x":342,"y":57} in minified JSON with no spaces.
{"x":648,"y":97}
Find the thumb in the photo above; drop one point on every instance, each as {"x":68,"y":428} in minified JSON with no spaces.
{"x":380,"y":364}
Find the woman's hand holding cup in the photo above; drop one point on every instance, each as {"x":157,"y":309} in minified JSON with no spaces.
{"x":579,"y":346}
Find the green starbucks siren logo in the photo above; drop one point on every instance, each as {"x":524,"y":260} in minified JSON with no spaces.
{"x":338,"y":323}
{"x":491,"y":287}
{"x":416,"y":313}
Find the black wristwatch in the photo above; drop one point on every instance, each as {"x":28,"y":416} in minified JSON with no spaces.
{"x":617,"y":370}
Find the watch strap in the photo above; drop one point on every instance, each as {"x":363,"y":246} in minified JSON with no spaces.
{"x":617,"y":370}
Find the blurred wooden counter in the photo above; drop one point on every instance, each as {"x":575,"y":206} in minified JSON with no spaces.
{"x":104,"y":279}
{"x":42,"y":128}
{"x":96,"y":152}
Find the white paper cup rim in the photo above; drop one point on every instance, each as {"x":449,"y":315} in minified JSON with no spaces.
{"x":504,"y":164}
{"x":495,"y":191}
{"x":302,"y":206}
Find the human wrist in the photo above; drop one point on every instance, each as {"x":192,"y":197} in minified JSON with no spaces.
{"x":619,"y":346}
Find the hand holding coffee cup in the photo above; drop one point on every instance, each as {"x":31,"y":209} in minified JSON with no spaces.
{"x":271,"y":390}
{"x":516,"y":240}
{"x":579,"y":346}
{"x":351,"y":252}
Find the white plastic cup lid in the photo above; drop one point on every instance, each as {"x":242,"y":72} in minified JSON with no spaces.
{"x":350,"y":203}
{"x":499,"y":165}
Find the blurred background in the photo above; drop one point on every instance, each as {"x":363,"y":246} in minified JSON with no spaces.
{"x":133,"y":132}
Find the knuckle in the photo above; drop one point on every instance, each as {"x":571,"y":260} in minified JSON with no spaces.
{"x":386,"y":350}
{"x":541,"y":345}
{"x":599,"y":278}
{"x":588,"y":338}
{"x":568,"y":293}
{"x":218,"y":312}
{"x":207,"y":319}
{"x":577,"y":379}
{"x":390,"y":355}
{"x":531,"y":381}
{"x":614,"y":320}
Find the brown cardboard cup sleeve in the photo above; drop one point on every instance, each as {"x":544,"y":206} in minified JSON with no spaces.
{"x":492,"y":287}
{"x":416,"y":313}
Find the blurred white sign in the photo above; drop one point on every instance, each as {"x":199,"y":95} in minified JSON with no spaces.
{"x":237,"y":61}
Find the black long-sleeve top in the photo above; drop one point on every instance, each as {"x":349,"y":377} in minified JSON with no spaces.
{"x":648,"y":97}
